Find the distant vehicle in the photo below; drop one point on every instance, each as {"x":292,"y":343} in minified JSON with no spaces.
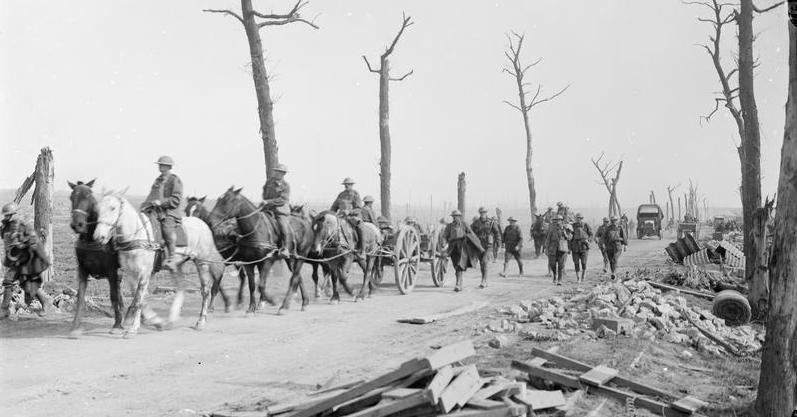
{"x":649,"y":218}
{"x":719,"y":221}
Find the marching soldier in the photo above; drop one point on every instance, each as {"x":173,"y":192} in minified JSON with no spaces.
{"x":163,"y":201}
{"x":348,"y":199}
{"x":513,"y":243}
{"x":615,"y":242}
{"x":599,"y":240}
{"x":276,"y":199}
{"x":25,"y":260}
{"x":487,"y":232}
{"x":463,"y":246}
{"x":556,"y":246}
{"x":367,"y":212}
{"x":564,"y":211}
{"x":579,"y":245}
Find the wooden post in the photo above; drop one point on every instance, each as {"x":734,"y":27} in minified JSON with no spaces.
{"x":43,"y":205}
{"x":461,"y":193}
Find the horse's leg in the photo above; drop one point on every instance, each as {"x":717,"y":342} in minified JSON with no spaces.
{"x":286,"y":301}
{"x":82,"y":280}
{"x":335,"y":269}
{"x":138,"y":306}
{"x":250,"y":275}
{"x":315,"y":281}
{"x":115,"y":283}
{"x":302,"y":289}
{"x":264,"y":269}
{"x":344,"y":275}
{"x":364,"y":266}
{"x":371,"y":264}
{"x":205,"y":276}
{"x":242,"y":276}
{"x":179,"y":296}
{"x":217,"y":275}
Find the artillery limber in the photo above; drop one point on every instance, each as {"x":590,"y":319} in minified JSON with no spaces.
{"x":405,"y":249}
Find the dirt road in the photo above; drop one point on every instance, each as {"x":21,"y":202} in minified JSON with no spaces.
{"x":245,"y":360}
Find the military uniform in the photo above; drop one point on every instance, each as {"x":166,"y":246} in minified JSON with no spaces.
{"x":368,"y":214}
{"x":599,"y":239}
{"x":614,"y":240}
{"x":460,"y":247}
{"x":24,"y":259}
{"x":276,"y":199}
{"x":488,"y":233}
{"x":579,"y":246}
{"x":347,"y":200}
{"x":168,"y":189}
{"x":513,"y":244}
{"x":556,"y":247}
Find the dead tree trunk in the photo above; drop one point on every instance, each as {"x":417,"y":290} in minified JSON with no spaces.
{"x":461,"y":193}
{"x":524,"y":106}
{"x":43,"y":178}
{"x":610,"y":175}
{"x":252,"y":22}
{"x":384,"y":116}
{"x":670,"y":189}
{"x":778,"y":379}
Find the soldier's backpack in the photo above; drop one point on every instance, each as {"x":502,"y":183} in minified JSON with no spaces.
{"x":612,"y":235}
{"x":578,"y":232}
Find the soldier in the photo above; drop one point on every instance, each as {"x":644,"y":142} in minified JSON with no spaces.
{"x":385,"y":227}
{"x":579,"y":245}
{"x":462,"y":246}
{"x":348,"y":199}
{"x":615,"y":242}
{"x":367,"y":212}
{"x":276,"y":200}
{"x":547,"y":217}
{"x":25,"y":260}
{"x":513,"y":243}
{"x":163,"y":202}
{"x":556,"y":246}
{"x":487,"y":232}
{"x":564,"y":211}
{"x":599,"y":240}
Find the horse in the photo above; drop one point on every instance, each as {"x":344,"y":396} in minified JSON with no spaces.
{"x":336,"y":238}
{"x":224,"y":236}
{"x":539,"y":229}
{"x":132,"y":235}
{"x":299,"y":211}
{"x":94,"y":259}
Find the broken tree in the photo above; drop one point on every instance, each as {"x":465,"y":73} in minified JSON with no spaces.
{"x":525,"y":104}
{"x":43,"y":177}
{"x":610,"y":174}
{"x":253,"y":21}
{"x":778,"y":380}
{"x":384,"y":110}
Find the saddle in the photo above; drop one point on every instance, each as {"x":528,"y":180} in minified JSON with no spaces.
{"x":157,"y":236}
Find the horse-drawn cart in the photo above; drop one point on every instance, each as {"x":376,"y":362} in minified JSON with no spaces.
{"x":405,"y":250}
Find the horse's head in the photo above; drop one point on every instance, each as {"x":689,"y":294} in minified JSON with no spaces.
{"x":109,"y":212}
{"x":195,"y":207}
{"x":83,"y":205}
{"x":227,"y":206}
{"x":325,"y":228}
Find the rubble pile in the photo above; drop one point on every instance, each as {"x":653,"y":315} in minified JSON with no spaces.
{"x":632,"y":308}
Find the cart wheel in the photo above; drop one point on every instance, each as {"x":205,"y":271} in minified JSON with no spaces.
{"x":377,"y":272}
{"x":406,"y":256}
{"x":439,"y":262}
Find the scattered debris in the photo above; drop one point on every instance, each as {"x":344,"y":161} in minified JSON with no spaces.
{"x":434,"y":317}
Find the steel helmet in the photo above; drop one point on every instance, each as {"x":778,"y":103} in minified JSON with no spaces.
{"x":456,"y":213}
{"x":165,"y":160}
{"x":482,"y":210}
{"x":281,"y":168}
{"x":605,"y":219}
{"x":511,"y":219}
{"x":579,"y":216}
{"x":347,"y":180}
{"x":368,"y":199}
{"x":615,"y":218}
{"x":10,"y":208}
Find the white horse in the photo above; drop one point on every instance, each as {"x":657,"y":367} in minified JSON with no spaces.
{"x":133,"y":237}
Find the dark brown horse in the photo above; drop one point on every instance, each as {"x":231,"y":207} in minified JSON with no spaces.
{"x":539,"y":229}
{"x":93,"y":258}
{"x":258,"y":243}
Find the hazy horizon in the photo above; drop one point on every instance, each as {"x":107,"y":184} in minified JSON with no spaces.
{"x":110,"y":86}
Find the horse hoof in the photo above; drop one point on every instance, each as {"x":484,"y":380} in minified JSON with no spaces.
{"x":249,"y":313}
{"x":129,"y":335}
{"x":304,"y":307}
{"x":76,"y":334}
{"x":115,"y":330}
{"x":211,"y":309}
{"x":280,"y":311}
{"x":200,"y":325}
{"x":227,"y":309}
{"x":334,"y":302}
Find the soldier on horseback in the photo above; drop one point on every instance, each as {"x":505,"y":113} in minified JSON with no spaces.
{"x":162,"y":203}
{"x":348,"y":199}
{"x":276,"y":200}
{"x":24,"y":258}
{"x":367,"y":212}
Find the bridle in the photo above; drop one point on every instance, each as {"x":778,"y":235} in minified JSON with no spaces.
{"x":227,"y":216}
{"x":115,"y":225}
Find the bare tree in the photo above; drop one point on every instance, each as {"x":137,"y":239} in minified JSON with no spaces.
{"x":525,"y":103}
{"x":745,"y":114}
{"x":670,"y":189}
{"x":610,"y":175}
{"x":778,"y":379}
{"x":253,"y":21}
{"x":384,"y":110}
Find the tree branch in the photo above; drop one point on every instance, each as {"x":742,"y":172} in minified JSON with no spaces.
{"x":766,"y":9}
{"x":369,"y":66}
{"x":227,"y":12}
{"x":549,"y":98}
{"x":290,"y":14}
{"x":406,"y":22}
{"x":402,"y":77}
{"x":284,"y":19}
{"x":514,"y":106}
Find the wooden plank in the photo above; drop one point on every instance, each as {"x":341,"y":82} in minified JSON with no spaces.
{"x":450,"y":354}
{"x":538,"y":361}
{"x":343,"y":386}
{"x":398,"y":393}
{"x":540,"y":400}
{"x":414,"y":378}
{"x":492,"y":390}
{"x":689,"y":404}
{"x":440,"y":382}
{"x":498,"y":412}
{"x":518,"y":409}
{"x":572,"y":382}
{"x":405,"y":370}
{"x":618,"y":380}
{"x":662,"y":286}
{"x":485,"y":404}
{"x":387,"y":408}
{"x":599,"y":375}
{"x":460,"y":389}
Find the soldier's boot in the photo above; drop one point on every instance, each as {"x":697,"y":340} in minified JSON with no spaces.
{"x":458,"y":286}
{"x":170,"y":238}
{"x":36,"y":291}
{"x":286,"y":237}
{"x":503,"y":273}
{"x":520,"y":269}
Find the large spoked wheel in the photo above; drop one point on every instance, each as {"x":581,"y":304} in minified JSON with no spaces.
{"x":439,"y":260}
{"x":406,"y":258}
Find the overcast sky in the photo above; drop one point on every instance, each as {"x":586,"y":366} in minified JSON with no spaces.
{"x":111,"y":85}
